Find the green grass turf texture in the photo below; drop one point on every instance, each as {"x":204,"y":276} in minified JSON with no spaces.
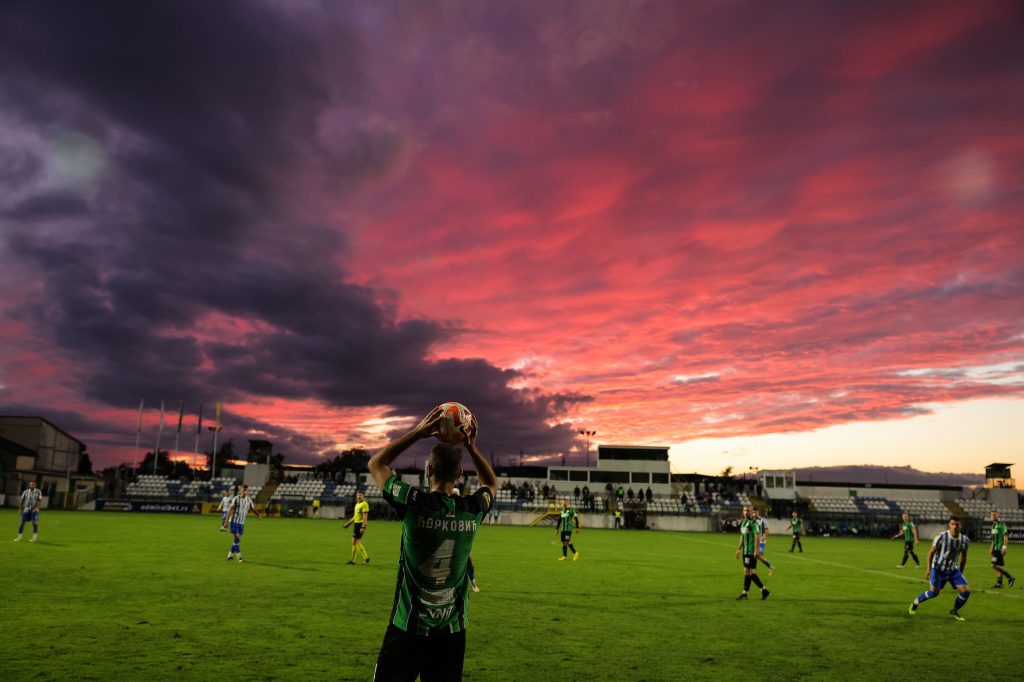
{"x":120,"y":596}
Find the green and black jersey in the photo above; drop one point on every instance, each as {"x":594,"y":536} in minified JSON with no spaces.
{"x":437,"y":535}
{"x":748,"y":536}
{"x":797,"y":525}
{"x":998,"y":535}
{"x":566,"y":519}
{"x":908,"y":531}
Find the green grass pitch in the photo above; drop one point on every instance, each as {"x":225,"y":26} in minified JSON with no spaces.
{"x":109,"y":596}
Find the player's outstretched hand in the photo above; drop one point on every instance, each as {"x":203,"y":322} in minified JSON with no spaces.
{"x":428,"y":425}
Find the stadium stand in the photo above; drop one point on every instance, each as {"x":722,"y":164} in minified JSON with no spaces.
{"x":980,"y":509}
{"x":150,"y":486}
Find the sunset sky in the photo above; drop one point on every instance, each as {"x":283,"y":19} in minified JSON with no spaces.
{"x":766,"y":234}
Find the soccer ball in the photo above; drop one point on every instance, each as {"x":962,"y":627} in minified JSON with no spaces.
{"x":456,"y":421}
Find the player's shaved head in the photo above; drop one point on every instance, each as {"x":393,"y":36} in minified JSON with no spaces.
{"x":445,"y":462}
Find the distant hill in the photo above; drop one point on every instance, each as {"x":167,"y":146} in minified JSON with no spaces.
{"x":878,"y":474}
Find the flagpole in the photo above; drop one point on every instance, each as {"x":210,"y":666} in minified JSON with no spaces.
{"x":159,"y":432}
{"x":181,"y":413}
{"x":216,"y":430}
{"x":199,"y":430}
{"x":138,"y":435}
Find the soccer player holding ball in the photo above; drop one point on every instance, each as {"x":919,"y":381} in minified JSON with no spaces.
{"x":426,"y":635}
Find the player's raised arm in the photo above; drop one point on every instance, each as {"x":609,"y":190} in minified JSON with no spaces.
{"x":483,"y":468}
{"x":380,"y":464}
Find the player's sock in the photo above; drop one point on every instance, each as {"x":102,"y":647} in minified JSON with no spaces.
{"x":355,"y":550}
{"x":915,"y":559}
{"x":572,"y":548}
{"x":746,"y":584}
{"x":21,"y":529}
{"x":904,"y":562}
{"x":756,"y":580}
{"x":35,"y":529}
{"x":565,"y":551}
{"x":961,"y":599}
{"x":925,"y":596}
{"x":471,"y":571}
{"x":236,"y":547}
{"x":363,"y":552}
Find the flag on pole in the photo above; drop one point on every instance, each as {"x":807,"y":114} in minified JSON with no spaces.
{"x":181,"y":413}
{"x":159,"y":432}
{"x":199,"y":430}
{"x":216,"y":424}
{"x":160,"y":428}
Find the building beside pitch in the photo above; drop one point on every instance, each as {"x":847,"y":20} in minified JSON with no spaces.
{"x":639,"y":467}
{"x":35,"y":449}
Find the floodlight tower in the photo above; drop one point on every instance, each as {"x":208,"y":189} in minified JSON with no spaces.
{"x":587,"y":434}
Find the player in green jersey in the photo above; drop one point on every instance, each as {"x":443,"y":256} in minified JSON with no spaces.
{"x":749,"y":537}
{"x":426,"y":635}
{"x":998,"y":551}
{"x":908,"y":531}
{"x":566,"y":518}
{"x":796,"y":525}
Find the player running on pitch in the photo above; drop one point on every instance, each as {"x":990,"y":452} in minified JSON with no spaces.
{"x":796,"y":526}
{"x":946,"y":561}
{"x":909,"y":532}
{"x":225,"y":502}
{"x":762,"y":540}
{"x":748,"y":549}
{"x":566,"y":518}
{"x":30,"y":501}
{"x":998,"y":551}
{"x":240,"y":506}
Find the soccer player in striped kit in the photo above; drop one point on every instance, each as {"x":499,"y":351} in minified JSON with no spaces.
{"x":30,"y":501}
{"x":946,"y":561}
{"x":240,"y":506}
{"x":762,"y":540}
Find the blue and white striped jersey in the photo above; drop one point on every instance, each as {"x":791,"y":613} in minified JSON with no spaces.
{"x":762,"y":527}
{"x":225,"y":502}
{"x":948,"y":550}
{"x":30,"y":498}
{"x":242,"y":506}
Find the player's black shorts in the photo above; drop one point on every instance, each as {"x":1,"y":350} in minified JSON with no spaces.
{"x":566,"y":536}
{"x":997,"y":558}
{"x":749,"y":561}
{"x":908,"y":546}
{"x":403,"y":656}
{"x":357,"y":531}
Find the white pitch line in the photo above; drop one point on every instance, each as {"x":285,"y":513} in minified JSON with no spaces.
{"x":870,"y":570}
